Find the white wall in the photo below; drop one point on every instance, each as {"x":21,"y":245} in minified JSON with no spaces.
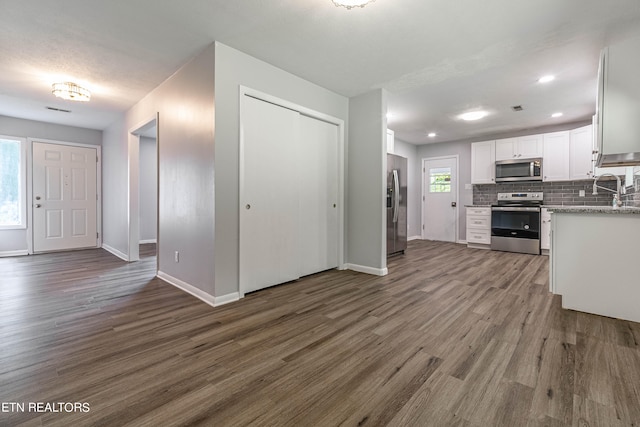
{"x":185,"y":103}
{"x":414,"y":186}
{"x":16,"y":240}
{"x":367,"y":181}
{"x":148,"y":189}
{"x":232,"y":69}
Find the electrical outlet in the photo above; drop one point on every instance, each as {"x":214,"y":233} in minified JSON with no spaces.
{"x":581,"y":194}
{"x":176,"y":256}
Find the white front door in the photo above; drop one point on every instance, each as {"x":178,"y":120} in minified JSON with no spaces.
{"x":440,"y":198}
{"x":64,"y":197}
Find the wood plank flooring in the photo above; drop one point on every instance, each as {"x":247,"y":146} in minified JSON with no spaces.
{"x":451,"y":337}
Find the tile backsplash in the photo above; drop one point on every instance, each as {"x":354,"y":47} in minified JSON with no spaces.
{"x":563,"y":193}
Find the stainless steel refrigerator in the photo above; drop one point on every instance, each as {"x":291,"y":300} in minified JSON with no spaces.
{"x":396,"y":204}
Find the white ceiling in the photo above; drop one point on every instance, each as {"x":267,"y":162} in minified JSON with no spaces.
{"x":436,"y":58}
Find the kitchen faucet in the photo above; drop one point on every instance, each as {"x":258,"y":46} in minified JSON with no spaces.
{"x":617,"y":190}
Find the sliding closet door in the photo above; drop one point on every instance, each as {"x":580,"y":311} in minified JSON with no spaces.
{"x":318,"y":177}
{"x":268,"y":195}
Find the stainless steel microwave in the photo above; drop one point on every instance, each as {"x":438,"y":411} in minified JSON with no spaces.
{"x":519,"y":170}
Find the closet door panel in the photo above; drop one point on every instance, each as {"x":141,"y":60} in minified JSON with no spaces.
{"x":318,"y":177}
{"x":268,"y":195}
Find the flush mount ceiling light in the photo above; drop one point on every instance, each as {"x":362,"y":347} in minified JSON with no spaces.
{"x":431,"y":135}
{"x":473,"y":115}
{"x":70,"y":91}
{"x":350,"y":4}
{"x":554,"y":115}
{"x":546,"y":79}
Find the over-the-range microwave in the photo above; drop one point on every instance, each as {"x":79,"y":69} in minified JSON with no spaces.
{"x":519,"y":170}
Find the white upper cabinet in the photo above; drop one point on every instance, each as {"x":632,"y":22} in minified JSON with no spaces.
{"x":483,"y":162}
{"x":530,"y":146}
{"x":391,"y":141}
{"x":618,"y":106}
{"x":556,"y":162}
{"x":523,"y":147}
{"x":581,"y":159}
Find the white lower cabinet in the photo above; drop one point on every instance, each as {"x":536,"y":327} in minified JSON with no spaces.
{"x":479,"y":227}
{"x":545,"y":231}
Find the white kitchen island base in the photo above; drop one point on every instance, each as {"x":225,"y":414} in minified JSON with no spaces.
{"x":595,"y":260}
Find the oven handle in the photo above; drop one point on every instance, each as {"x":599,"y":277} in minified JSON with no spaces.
{"x":514,"y":209}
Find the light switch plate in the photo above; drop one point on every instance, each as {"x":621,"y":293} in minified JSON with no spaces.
{"x":581,"y":193}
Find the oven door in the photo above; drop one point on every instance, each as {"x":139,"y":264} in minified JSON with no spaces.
{"x":515,"y":222}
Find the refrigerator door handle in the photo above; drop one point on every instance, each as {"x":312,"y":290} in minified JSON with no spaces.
{"x":396,"y":194}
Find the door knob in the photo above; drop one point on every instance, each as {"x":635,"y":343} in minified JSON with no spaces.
{"x":37,"y":197}
{"x":454,"y":204}
{"x":38,"y":205}
{"x":248,"y":206}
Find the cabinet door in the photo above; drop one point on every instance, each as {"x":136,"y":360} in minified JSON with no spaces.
{"x":483,"y":162}
{"x":580,"y":160}
{"x":529,"y":146}
{"x":545,"y":229}
{"x":555,"y":165}
{"x":506,"y":149}
{"x":391,"y":141}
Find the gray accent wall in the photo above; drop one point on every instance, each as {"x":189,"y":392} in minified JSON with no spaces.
{"x":414,"y":187}
{"x":16,"y":240}
{"x":148,"y":188}
{"x":465,"y":195}
{"x":367,"y":180}
{"x":185,"y":104}
{"x":233,"y":69}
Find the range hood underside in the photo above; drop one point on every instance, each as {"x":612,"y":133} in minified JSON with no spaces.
{"x":626,"y":159}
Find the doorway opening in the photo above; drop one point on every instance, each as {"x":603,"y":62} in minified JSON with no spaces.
{"x":143,"y":191}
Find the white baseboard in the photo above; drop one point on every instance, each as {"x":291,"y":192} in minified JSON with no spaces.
{"x":226,"y":299}
{"x":144,"y":242}
{"x":13,"y":253}
{"x":368,"y":270}
{"x":116,"y":252}
{"x":414,"y":238}
{"x":462,"y":242}
{"x":199,"y":293}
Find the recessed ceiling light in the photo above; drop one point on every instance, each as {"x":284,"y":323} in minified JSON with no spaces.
{"x":546,"y":79}
{"x":554,"y":115}
{"x":432,"y":135}
{"x":473,"y":115}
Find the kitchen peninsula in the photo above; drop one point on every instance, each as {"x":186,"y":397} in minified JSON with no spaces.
{"x":594,"y":259}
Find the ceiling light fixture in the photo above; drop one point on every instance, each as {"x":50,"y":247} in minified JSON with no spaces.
{"x":432,"y":135}
{"x":546,"y":79}
{"x":70,"y":91}
{"x":473,"y":115}
{"x":554,"y":115}
{"x":350,"y":4}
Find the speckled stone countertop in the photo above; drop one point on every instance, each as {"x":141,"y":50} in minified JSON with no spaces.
{"x":477,"y":206}
{"x":593,"y":209}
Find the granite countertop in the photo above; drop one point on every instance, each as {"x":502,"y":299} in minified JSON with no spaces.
{"x":477,"y":206}
{"x":593,"y":209}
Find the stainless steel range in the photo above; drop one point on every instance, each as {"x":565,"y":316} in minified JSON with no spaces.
{"x":515,"y":223}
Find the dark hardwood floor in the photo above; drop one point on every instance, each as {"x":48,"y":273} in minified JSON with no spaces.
{"x":451,"y":337}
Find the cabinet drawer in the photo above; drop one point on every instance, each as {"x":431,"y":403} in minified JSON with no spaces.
{"x":479,"y":211}
{"x":482,"y":222}
{"x":478,"y":236}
